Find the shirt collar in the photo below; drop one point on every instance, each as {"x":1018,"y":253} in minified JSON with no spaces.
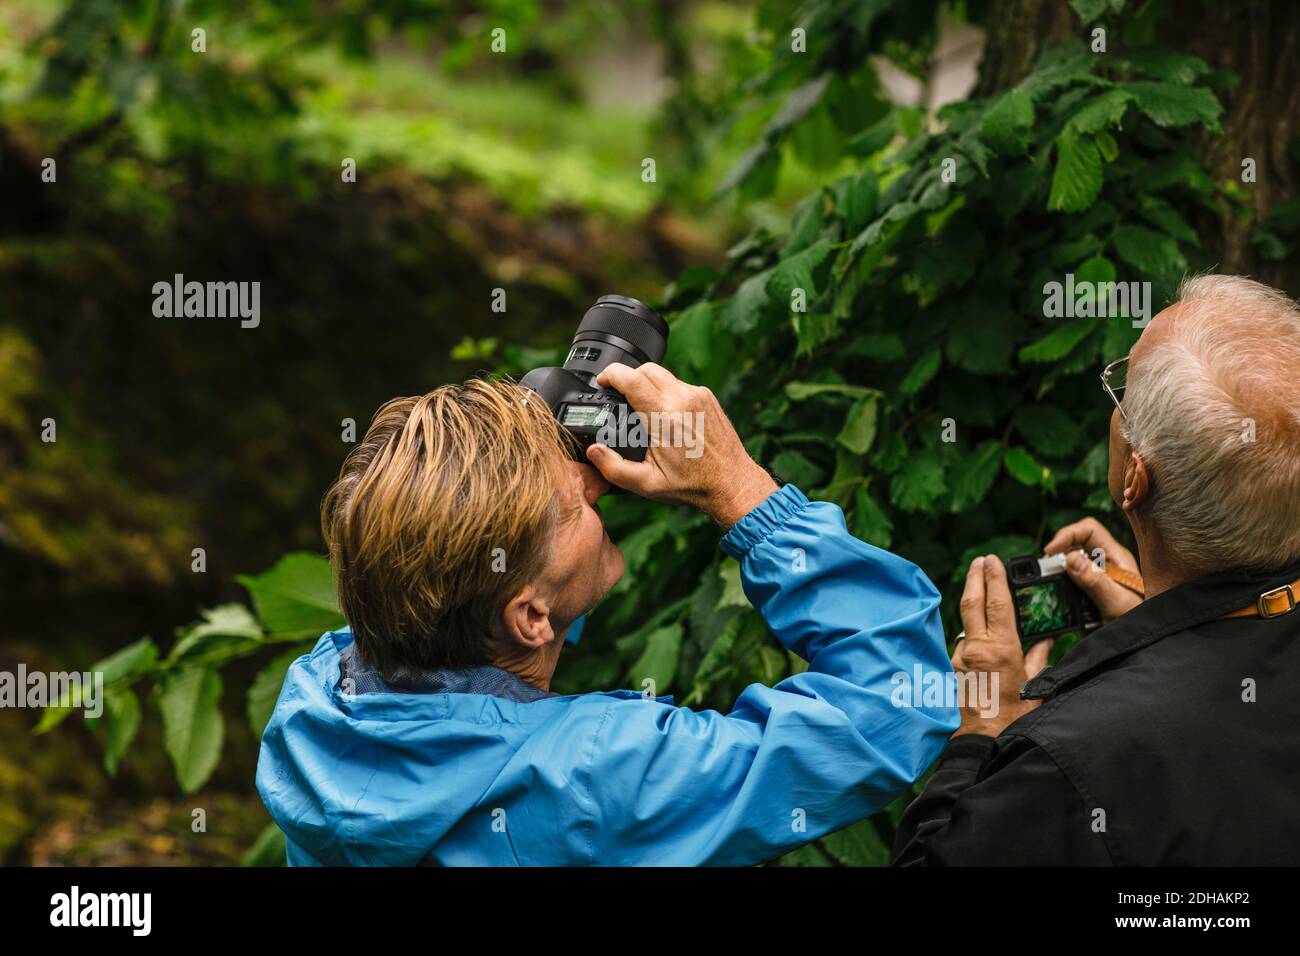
{"x":1179,"y":608}
{"x":487,"y":679}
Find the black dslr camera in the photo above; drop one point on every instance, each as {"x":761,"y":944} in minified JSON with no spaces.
{"x":616,"y":329}
{"x":1047,"y":602}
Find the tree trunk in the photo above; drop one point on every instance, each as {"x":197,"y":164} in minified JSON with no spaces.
{"x":1258,"y":40}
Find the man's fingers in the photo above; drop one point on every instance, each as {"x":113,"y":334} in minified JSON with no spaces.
{"x":1090,"y":535}
{"x":631,"y":476}
{"x":972,"y":602}
{"x":998,"y":609}
{"x":1036,"y":658}
{"x":632,"y":383}
{"x":1111,"y":597}
{"x":660,"y":376}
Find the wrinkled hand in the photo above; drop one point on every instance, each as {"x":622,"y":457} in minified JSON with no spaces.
{"x":717,"y":476}
{"x":1084,"y":539}
{"x":992,"y":646}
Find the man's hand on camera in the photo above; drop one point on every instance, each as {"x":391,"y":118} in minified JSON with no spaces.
{"x":1083,"y":540}
{"x":992,"y":646}
{"x":721,"y":480}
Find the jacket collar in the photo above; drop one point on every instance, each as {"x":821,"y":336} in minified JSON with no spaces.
{"x":487,"y":679}
{"x":1179,"y":608}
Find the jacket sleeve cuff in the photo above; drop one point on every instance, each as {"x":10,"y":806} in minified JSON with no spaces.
{"x":967,"y":752}
{"x":751,"y":530}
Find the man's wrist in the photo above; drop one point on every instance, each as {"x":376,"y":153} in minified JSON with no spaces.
{"x":740,"y":496}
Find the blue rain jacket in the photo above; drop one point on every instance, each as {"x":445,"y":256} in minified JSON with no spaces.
{"x":618,"y":778}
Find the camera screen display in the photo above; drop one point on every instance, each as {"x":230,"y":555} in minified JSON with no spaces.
{"x":583,"y":416}
{"x":1042,"y":608}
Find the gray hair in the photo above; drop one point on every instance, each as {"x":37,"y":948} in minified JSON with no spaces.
{"x":1213,"y":408}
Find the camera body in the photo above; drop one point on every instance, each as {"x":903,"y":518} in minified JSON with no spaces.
{"x":1047,"y":602}
{"x":616,"y":329}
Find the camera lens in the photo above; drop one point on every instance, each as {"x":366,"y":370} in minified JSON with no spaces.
{"x":617,"y":328}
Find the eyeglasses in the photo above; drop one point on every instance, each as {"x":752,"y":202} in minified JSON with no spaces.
{"x":1113,"y":378}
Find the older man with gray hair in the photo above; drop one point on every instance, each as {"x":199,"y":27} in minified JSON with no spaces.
{"x":1171,"y":735}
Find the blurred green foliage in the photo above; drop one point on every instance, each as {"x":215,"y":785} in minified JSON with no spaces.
{"x":899,"y":302}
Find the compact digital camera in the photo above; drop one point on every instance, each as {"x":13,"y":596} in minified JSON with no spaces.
{"x":1047,"y":602}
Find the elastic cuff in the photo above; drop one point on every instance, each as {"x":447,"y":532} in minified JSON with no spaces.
{"x":783,"y":504}
{"x":968,"y":750}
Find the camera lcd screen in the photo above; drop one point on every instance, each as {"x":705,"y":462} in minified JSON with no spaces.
{"x":583,"y":416}
{"x":1042,"y":608}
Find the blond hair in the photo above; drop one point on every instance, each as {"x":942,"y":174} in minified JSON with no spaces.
{"x":1214,"y":410}
{"x":441,"y":513}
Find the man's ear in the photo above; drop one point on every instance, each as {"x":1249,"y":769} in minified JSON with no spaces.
{"x":1137,"y":483}
{"x":527,"y":619}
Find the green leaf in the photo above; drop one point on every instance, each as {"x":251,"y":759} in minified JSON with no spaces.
{"x":798,"y":391}
{"x":1176,"y":104}
{"x":1048,"y":429}
{"x":1096,"y":270}
{"x":1168,"y":65}
{"x":806,"y":223}
{"x":1094,"y":466}
{"x":982,"y":340}
{"x":192,"y":726}
{"x":1008,"y":123}
{"x":869,"y":523}
{"x":1078,"y":175}
{"x":857,"y":845}
{"x":1101,"y":112}
{"x":796,"y":272}
{"x":224,"y":632}
{"x":1059,"y":342}
{"x":919,"y":375}
{"x":859,"y":429}
{"x":855,"y":199}
{"x":1153,"y":252}
{"x":1088,"y":10}
{"x":658,"y":662}
{"x":690,"y":344}
{"x":919,"y":483}
{"x":973,"y":476}
{"x":122,"y":708}
{"x":741,"y":312}
{"x":296,"y":596}
{"x":265,"y":689}
{"x":1023,"y":467}
{"x":733,"y":594}
{"x":793,"y":467}
{"x":756,"y":169}
{"x":135,"y":658}
{"x":1159,"y":213}
{"x":269,"y":849}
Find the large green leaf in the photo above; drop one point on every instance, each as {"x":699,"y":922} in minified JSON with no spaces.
{"x":973,"y":476}
{"x":122,"y":711}
{"x":658,"y":662}
{"x":1008,"y":123}
{"x":1078,"y":175}
{"x":296,"y":596}
{"x":1176,"y":104}
{"x":193,"y":729}
{"x":1153,"y":252}
{"x":859,"y":429}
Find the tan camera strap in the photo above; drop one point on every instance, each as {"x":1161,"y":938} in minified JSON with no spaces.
{"x":1280,"y":600}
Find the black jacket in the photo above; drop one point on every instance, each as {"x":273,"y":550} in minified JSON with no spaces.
{"x":1146,"y":750}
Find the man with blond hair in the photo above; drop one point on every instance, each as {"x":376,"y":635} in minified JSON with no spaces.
{"x":1170,"y":736}
{"x":467,"y":546}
